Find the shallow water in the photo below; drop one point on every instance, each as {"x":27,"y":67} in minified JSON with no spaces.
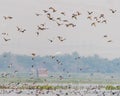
{"x":80,"y":90}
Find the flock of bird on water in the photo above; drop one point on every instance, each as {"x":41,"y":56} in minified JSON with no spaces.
{"x":59,"y":21}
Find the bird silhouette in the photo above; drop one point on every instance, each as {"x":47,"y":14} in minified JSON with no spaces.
{"x":50,"y":40}
{"x":89,"y":13}
{"x":18,"y":28}
{"x":63,"y":13}
{"x":6,"y":39}
{"x":59,"y":24}
{"x":74,"y":16}
{"x":109,"y":41}
{"x":104,"y":21}
{"x":89,"y":17}
{"x":65,"y":20}
{"x":78,"y":13}
{"x":105,"y":36}
{"x":96,"y":18}
{"x":37,"y":14}
{"x":33,"y":54}
{"x":45,"y":11}
{"x":58,"y":18}
{"x":93,"y":24}
{"x":61,"y":38}
{"x":37,"y":33}
{"x":7,"y":17}
{"x":113,"y":11}
{"x":53,"y":9}
{"x":70,"y":24}
{"x":41,"y":28}
{"x":102,"y":16}
{"x":23,"y":30}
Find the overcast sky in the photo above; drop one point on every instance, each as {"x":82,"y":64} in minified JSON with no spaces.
{"x":85,"y":39}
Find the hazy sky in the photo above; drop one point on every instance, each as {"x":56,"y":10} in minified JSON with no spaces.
{"x":84,"y":38}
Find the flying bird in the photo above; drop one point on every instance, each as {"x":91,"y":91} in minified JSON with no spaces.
{"x":45,"y":11}
{"x":37,"y":33}
{"x":101,"y":16}
{"x":33,"y":54}
{"x":63,"y":13}
{"x":105,"y":36}
{"x":104,"y":21}
{"x":37,"y":14}
{"x":7,"y":17}
{"x":113,"y":11}
{"x":109,"y":41}
{"x":89,"y":13}
{"x":53,"y":9}
{"x":50,"y":40}
{"x":6,"y":39}
{"x":61,"y":38}
{"x":89,"y":17}
{"x":93,"y":24}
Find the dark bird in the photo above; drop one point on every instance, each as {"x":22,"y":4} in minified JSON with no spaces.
{"x":113,"y":11}
{"x":89,"y":17}
{"x":32,"y":66}
{"x":63,"y":13}
{"x":7,"y":17}
{"x":37,"y":14}
{"x":23,"y":30}
{"x":65,"y":20}
{"x":77,"y":58}
{"x":4,"y":33}
{"x":61,"y":38}
{"x":104,"y":21}
{"x":48,"y":15}
{"x":98,"y":21}
{"x":51,"y":18}
{"x":45,"y":11}
{"x":41,"y":28}
{"x":6,"y":39}
{"x":105,"y":36}
{"x":15,"y":71}
{"x":52,"y":57}
{"x":53,"y":9}
{"x":18,"y":29}
{"x":96,"y":18}
{"x":109,"y":41}
{"x":33,"y":54}
{"x":42,"y":24}
{"x":78,"y":13}
{"x":50,"y":40}
{"x":70,"y":24}
{"x":89,"y":13}
{"x":37,"y":33}
{"x":10,"y":65}
{"x":59,"y":24}
{"x":93,"y":24}
{"x":101,"y":16}
{"x":58,"y":18}
{"x":74,"y":16}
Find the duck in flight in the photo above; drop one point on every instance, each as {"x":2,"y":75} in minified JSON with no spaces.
{"x":6,"y":39}
{"x":113,"y":11}
{"x":7,"y":17}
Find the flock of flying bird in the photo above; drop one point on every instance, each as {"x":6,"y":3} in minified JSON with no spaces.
{"x":59,"y":21}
